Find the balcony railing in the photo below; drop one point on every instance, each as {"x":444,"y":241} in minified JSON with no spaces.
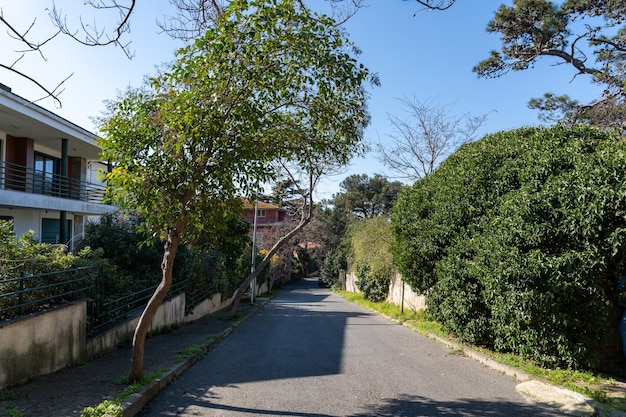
{"x":25,"y":179}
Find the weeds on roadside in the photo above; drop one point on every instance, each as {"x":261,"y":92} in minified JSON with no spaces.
{"x":189,"y":352}
{"x":9,"y":396}
{"x":114,"y":407}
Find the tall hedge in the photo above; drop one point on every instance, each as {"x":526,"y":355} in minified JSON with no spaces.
{"x":518,"y":240}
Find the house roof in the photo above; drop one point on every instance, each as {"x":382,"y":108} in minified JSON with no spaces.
{"x":247,"y":204}
{"x":22,"y":118}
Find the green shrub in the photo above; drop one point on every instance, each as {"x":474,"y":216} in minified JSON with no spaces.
{"x":25,"y":255}
{"x":105,"y":408}
{"x":335,"y":263}
{"x":519,"y":239}
{"x":373,"y":283}
{"x":207,"y":267}
{"x":370,"y":240}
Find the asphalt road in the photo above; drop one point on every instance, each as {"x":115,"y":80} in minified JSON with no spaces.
{"x":309,"y":353}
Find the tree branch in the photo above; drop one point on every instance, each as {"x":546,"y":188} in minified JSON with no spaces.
{"x":93,"y":36}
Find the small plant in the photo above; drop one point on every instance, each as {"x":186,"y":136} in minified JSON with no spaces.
{"x":212,"y":336}
{"x":236,"y":317}
{"x":456,"y":352}
{"x":136,"y":386}
{"x":12,"y":411}
{"x":189,"y":352}
{"x":8,"y":395}
{"x":105,"y":408}
{"x":114,"y":407}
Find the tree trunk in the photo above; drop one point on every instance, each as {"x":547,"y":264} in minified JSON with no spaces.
{"x":139,"y":338}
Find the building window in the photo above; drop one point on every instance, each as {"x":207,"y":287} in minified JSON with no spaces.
{"x":51,"y":230}
{"x":47,"y":172}
{"x":260,"y":213}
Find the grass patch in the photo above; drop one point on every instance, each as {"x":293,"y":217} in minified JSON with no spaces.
{"x":12,"y":411}
{"x":596,"y":387}
{"x":9,"y":396}
{"x":189,"y":352}
{"x":417,"y":320}
{"x":236,"y":317}
{"x":588,"y":383}
{"x":136,"y":386}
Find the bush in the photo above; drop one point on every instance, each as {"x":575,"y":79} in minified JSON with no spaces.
{"x":117,"y":237}
{"x":335,"y":263}
{"x":370,"y":240}
{"x":373,"y":283}
{"x":207,"y":267}
{"x":519,"y":239}
{"x":25,"y":255}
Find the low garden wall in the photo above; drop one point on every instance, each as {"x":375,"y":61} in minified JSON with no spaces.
{"x":45,"y":342}
{"x":42,"y":343}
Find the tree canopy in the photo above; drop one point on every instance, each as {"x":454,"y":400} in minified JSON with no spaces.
{"x":365,"y":197}
{"x":270,"y":81}
{"x":587,"y":35}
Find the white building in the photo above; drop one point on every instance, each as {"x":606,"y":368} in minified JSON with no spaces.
{"x":47,"y":172}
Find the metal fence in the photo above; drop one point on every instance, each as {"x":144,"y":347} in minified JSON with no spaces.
{"x":29,"y":294}
{"x":105,"y":310}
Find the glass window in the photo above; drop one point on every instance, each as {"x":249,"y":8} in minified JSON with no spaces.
{"x":46,"y":178}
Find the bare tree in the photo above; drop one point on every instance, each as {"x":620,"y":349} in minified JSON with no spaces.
{"x":436,"y":4}
{"x":90,"y":34}
{"x":110,"y":24}
{"x":192,"y":18}
{"x":427,"y":136}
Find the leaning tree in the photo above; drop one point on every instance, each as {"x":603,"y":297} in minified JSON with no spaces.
{"x":271,"y":81}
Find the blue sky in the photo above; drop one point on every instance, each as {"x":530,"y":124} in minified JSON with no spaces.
{"x":417,"y":54}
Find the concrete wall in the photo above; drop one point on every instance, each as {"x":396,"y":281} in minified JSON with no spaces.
{"x":400,"y":293}
{"x":45,"y":342}
{"x":171,"y":312}
{"x":396,"y":295}
{"x":42,"y":343}
{"x":351,"y":283}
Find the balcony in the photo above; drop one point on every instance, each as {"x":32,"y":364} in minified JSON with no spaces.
{"x":21,"y":178}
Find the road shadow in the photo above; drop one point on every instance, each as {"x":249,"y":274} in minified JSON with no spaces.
{"x":405,"y":405}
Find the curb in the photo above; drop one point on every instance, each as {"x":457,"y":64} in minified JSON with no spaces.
{"x":134,"y":403}
{"x":534,"y":390}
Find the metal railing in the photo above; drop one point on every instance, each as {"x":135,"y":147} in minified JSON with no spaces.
{"x":29,"y":294}
{"x":105,"y":310}
{"x":21,"y":178}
